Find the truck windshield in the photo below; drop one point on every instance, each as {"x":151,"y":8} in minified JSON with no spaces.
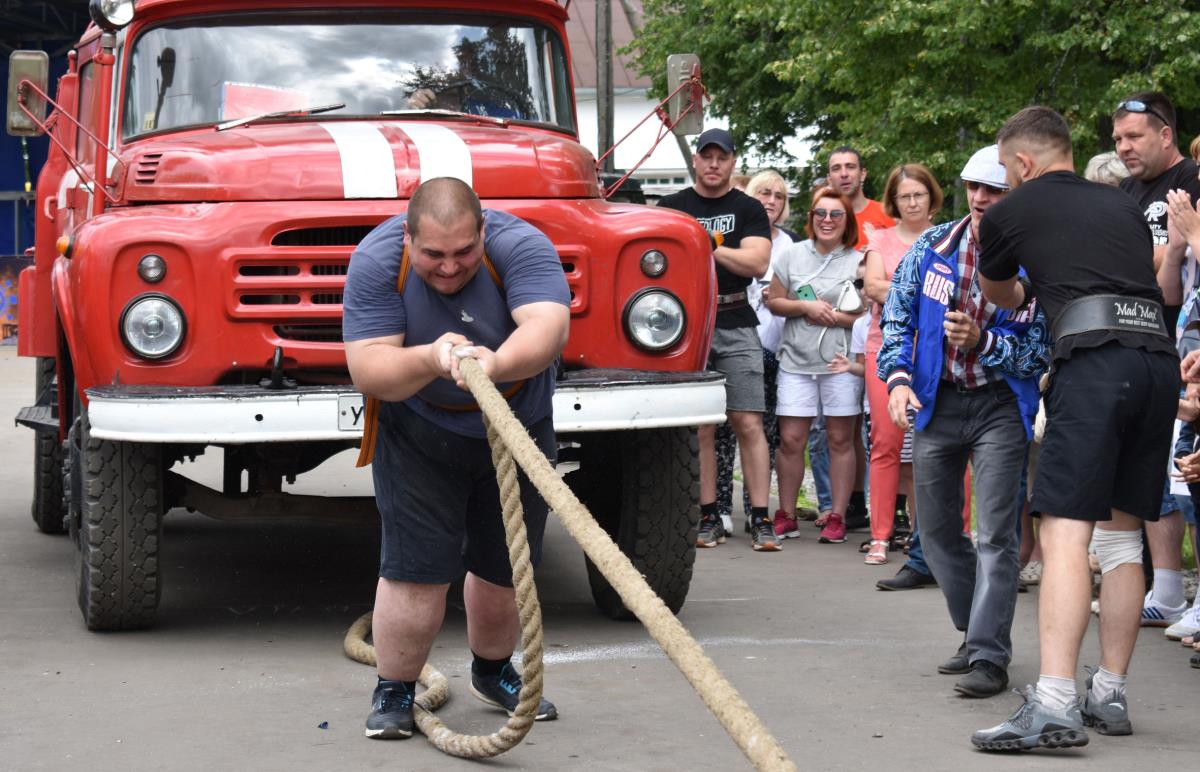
{"x":211,"y":70}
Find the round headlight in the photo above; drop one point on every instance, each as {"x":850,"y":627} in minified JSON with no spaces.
{"x":654,"y":263}
{"x":152,"y":268}
{"x":655,"y":320}
{"x":111,"y":15}
{"x":152,"y":326}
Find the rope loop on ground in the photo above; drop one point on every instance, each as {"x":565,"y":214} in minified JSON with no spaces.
{"x":511,"y":442}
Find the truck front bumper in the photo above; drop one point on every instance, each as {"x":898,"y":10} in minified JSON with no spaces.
{"x":584,"y":401}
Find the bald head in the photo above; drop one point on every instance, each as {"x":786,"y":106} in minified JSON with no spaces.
{"x":445,"y":200}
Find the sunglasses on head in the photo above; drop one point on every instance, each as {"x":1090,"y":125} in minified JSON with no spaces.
{"x":832,"y":214}
{"x":1138,"y":106}
{"x":995,"y":191}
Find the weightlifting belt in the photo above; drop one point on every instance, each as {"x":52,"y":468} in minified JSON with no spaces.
{"x":731,"y":301}
{"x":1110,"y":312}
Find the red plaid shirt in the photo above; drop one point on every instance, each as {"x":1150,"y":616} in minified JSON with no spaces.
{"x":962,"y":365}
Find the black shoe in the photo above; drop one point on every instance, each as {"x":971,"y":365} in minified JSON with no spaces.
{"x":958,"y":664}
{"x":857,"y":518}
{"x":986,"y":679}
{"x":391,"y":712}
{"x":504,"y":691}
{"x":906,"y":579}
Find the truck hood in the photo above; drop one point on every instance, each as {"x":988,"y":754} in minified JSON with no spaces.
{"x":334,"y":160}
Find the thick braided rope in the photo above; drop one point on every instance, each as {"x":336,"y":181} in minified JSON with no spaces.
{"x":740,"y":722}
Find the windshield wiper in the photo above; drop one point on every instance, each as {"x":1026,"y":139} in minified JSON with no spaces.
{"x":298,"y":112}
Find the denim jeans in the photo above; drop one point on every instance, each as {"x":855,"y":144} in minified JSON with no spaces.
{"x":980,"y":584}
{"x":818,"y":459}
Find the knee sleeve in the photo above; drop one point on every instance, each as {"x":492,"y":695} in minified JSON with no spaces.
{"x":1116,"y":548}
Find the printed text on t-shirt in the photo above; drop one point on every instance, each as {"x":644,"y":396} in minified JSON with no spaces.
{"x":722,"y":223}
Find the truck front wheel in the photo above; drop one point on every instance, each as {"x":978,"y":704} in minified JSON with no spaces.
{"x":643,"y":486}
{"x":48,"y":509}
{"x":120,"y":508}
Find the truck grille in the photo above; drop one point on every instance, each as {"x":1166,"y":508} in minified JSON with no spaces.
{"x":334,"y":236}
{"x":315,"y":333}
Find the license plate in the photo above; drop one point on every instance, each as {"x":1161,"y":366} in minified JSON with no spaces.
{"x":350,"y":412}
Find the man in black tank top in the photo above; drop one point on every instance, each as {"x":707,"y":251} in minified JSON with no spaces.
{"x":1110,"y":408}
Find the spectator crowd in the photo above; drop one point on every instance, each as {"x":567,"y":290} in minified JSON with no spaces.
{"x":929,"y":371}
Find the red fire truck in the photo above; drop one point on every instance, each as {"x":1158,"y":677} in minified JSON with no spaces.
{"x":213,"y":165}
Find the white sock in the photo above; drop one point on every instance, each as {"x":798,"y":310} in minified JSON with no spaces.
{"x":1056,"y":693}
{"x":1168,"y":587}
{"x":1105,"y":683}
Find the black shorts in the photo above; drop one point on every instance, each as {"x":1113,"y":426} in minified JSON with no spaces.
{"x":440,"y":504}
{"x":1110,"y":413}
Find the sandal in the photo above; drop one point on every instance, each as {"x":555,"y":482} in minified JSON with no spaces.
{"x":1188,"y":641}
{"x":878,"y":554}
{"x":865,"y":547}
{"x":1195,"y":660}
{"x":820,"y":521}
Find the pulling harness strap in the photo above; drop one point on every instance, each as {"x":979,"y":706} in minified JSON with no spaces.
{"x":366,"y":451}
{"x":1110,"y":312}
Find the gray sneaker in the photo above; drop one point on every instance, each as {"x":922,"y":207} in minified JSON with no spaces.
{"x":1034,"y":726}
{"x":763,"y":533}
{"x":1108,"y":716}
{"x":711,"y":532}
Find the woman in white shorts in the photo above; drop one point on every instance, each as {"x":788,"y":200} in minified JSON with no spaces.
{"x":812,"y":279}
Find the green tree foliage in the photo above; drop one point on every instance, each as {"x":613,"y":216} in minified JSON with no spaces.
{"x":928,"y":81}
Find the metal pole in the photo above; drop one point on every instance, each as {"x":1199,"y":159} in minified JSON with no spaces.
{"x":604,"y":84}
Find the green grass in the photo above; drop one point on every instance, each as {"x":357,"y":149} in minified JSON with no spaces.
{"x":1189,"y":554}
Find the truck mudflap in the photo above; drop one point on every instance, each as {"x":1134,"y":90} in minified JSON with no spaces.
{"x":584,"y":401}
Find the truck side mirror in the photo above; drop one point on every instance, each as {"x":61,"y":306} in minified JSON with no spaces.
{"x":686,"y":108}
{"x":34,"y":67}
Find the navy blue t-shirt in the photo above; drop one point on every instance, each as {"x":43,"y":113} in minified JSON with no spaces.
{"x":531,"y":272}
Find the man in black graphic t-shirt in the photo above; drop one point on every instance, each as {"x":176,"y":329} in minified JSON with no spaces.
{"x":741,"y":237}
{"x":1110,"y":408}
{"x":1144,"y":133}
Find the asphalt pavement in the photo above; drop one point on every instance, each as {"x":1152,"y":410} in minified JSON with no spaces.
{"x":244,"y":669}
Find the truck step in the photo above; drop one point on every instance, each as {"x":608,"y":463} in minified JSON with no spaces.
{"x":40,"y":418}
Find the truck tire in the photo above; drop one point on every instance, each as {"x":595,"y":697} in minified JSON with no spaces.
{"x":643,"y":487}
{"x":48,"y":509}
{"x":120,"y":489}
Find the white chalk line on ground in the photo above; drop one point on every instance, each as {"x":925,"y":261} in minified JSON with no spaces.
{"x":642,"y":650}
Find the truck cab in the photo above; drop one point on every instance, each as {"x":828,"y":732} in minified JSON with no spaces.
{"x":213,"y":167}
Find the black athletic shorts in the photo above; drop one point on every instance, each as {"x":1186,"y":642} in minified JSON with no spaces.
{"x":1110,"y":413}
{"x":440,"y":504}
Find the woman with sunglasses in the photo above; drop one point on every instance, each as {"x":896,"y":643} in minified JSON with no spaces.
{"x":811,"y":281}
{"x":912,"y":196}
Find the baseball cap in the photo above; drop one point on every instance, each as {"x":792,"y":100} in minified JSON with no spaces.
{"x":985,"y":167}
{"x":719,"y":137}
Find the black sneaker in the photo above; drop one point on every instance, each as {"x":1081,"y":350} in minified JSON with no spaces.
{"x":504,"y":691}
{"x":391,"y":712}
{"x":857,"y":518}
